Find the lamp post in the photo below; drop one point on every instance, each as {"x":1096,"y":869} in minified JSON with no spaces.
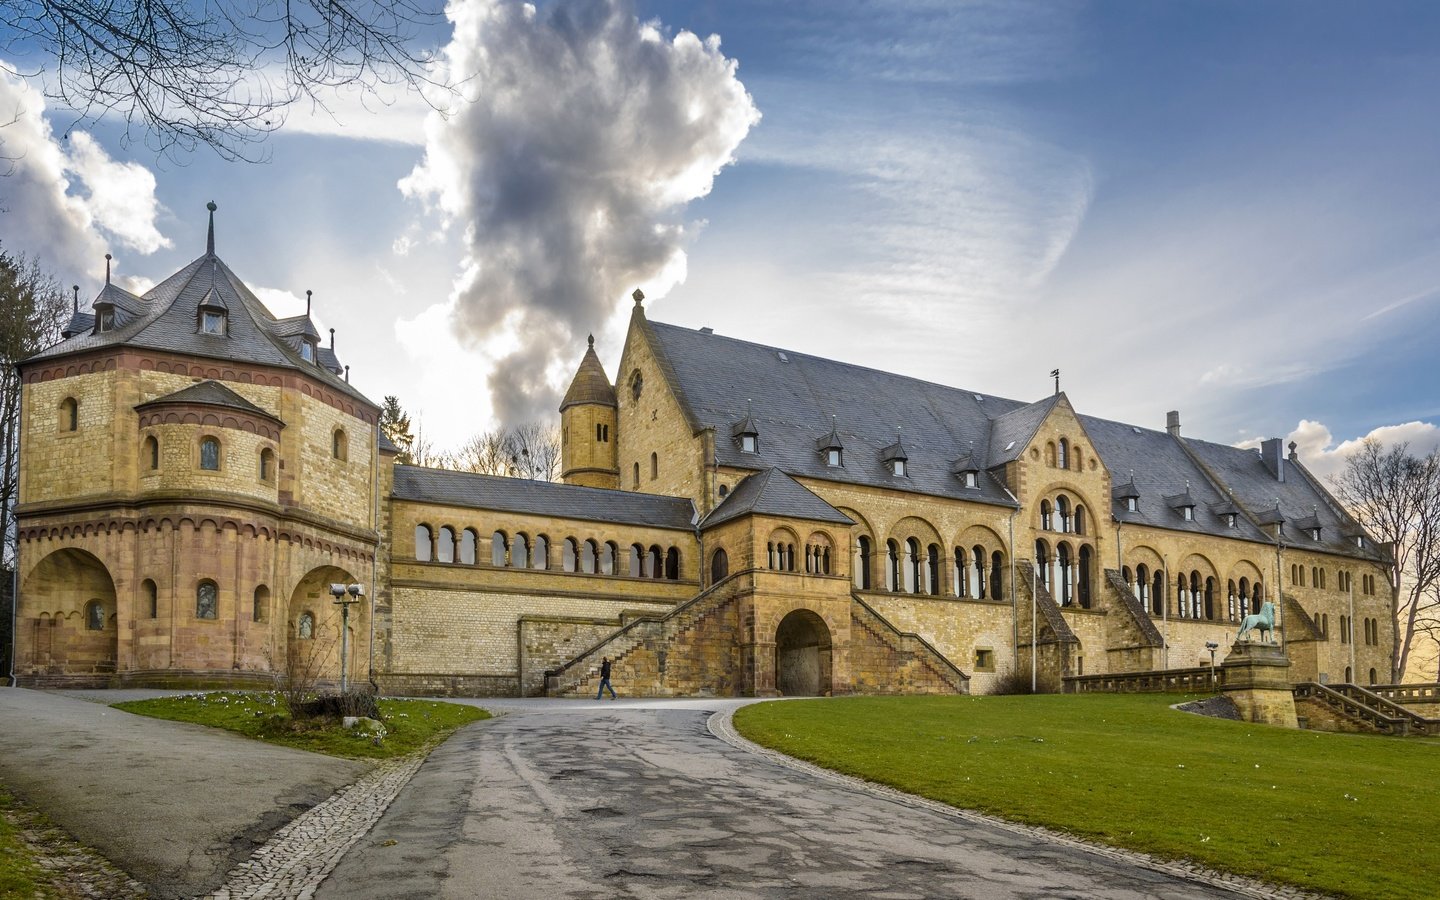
{"x":344,"y":596}
{"x":1212,"y":647}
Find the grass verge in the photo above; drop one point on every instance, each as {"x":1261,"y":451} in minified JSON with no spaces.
{"x":1346,"y":814}
{"x":20,"y":875}
{"x":410,"y":724}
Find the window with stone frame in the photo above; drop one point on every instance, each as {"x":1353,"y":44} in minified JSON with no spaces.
{"x":69,"y":414}
{"x":210,"y":454}
{"x":151,"y":453}
{"x":207,"y":600}
{"x":95,"y":616}
{"x":305,"y":629}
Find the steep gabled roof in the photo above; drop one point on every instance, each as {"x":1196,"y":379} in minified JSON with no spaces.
{"x":773,"y":493}
{"x":541,"y":498}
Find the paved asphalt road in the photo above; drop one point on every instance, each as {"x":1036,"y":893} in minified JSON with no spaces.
{"x":175,"y":805}
{"x":637,"y":799}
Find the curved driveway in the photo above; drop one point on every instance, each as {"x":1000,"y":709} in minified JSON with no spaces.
{"x":563,"y":799}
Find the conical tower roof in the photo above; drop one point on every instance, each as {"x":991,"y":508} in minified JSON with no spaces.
{"x":591,"y":384}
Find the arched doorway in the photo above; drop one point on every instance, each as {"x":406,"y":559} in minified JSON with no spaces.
{"x":313,"y":631}
{"x":67,"y":621}
{"x":802,"y":655}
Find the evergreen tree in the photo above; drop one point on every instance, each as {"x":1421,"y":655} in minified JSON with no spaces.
{"x":395,"y":424}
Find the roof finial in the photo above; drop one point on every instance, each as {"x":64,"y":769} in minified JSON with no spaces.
{"x":591,"y":339}
{"x":638,"y":296}
{"x":332,"y":339}
{"x":347,"y":374}
{"x":307,"y":302}
{"x":1055,"y":374}
{"x":210,"y":235}
{"x":107,"y":268}
{"x":75,"y":304}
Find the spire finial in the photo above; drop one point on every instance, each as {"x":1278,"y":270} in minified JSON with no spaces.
{"x":332,"y":339}
{"x":347,"y":374}
{"x":307,"y":302}
{"x":591,"y":339}
{"x":107,"y":268}
{"x":75,"y":304}
{"x":210,"y":234}
{"x":638,"y":296}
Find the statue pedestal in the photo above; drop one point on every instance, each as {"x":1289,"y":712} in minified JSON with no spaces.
{"x":1257,"y":678}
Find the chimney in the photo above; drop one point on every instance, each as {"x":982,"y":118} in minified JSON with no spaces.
{"x":1172,"y":423}
{"x":1273,"y":455}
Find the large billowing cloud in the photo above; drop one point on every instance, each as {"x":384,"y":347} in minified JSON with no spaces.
{"x":584,"y":134}
{"x":67,"y":205}
{"x":1318,"y":450}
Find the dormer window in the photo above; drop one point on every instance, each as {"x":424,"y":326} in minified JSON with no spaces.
{"x":1188,"y":513}
{"x":212,"y":323}
{"x":1360,"y":541}
{"x":307,"y":350}
{"x":897,"y":467}
{"x":1132,"y":505}
{"x":1230,"y":520}
{"x":749,"y":443}
{"x":746,"y":432}
{"x":105,"y":320}
{"x":833,"y":458}
{"x":1315,"y":534}
{"x":971,"y":479}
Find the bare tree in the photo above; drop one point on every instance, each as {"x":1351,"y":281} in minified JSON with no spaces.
{"x":32,"y":312}
{"x":525,"y":451}
{"x":219,"y":72}
{"x":1396,"y":496}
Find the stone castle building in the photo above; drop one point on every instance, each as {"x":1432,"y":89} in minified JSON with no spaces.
{"x":734,"y":519}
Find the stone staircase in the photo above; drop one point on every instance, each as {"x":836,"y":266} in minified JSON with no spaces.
{"x":925,"y":669}
{"x":649,"y":637}
{"x":1052,"y":625}
{"x":1365,"y":710}
{"x":1137,"y":618}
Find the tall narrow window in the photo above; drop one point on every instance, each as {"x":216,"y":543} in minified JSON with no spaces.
{"x":540,"y":554}
{"x":445,"y":545}
{"x":978,"y":557}
{"x":1062,"y":458}
{"x":609,"y":557}
{"x":306,"y":627}
{"x":207,"y":601}
{"x":569,"y":555}
{"x":962,"y":572}
{"x":267,"y":465}
{"x":69,"y":414}
{"x":634,"y":564}
{"x":719,"y":565}
{"x":672,"y":564}
{"x":260,"y":604}
{"x":423,"y":546}
{"x":499,"y":549}
{"x":151,"y":453}
{"x":95,"y":616}
{"x":932,"y":559}
{"x":520,"y":551}
{"x":635,"y":479}
{"x":339,"y":445}
{"x":654,"y":466}
{"x":210,"y":454}
{"x":863,"y":551}
{"x":997,"y":580}
{"x":151,"y":598}
{"x":468,"y":541}
{"x":589,"y":556}
{"x":892,"y":565}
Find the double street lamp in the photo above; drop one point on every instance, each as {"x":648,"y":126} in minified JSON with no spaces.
{"x":344,"y":596}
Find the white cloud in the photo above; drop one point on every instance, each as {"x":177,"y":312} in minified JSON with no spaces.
{"x":392,"y":114}
{"x":1316,"y":447}
{"x":587,"y":134}
{"x":67,"y":202}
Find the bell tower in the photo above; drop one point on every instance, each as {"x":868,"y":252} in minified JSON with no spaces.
{"x":587,"y":427}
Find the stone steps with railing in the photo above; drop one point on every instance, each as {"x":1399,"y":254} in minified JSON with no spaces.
{"x":1368,"y":708}
{"x":909,"y":645}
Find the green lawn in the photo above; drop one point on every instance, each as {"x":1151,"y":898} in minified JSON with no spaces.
{"x":1348,"y":814}
{"x":412,"y":724}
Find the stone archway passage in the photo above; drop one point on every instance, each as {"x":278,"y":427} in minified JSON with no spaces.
{"x":802,"y":655}
{"x":68,"y":618}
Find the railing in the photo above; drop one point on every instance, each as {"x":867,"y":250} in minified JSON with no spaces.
{"x":1407,"y":693}
{"x":1354,"y":706}
{"x":1415,"y":723}
{"x":1201,"y":679}
{"x":938,"y":662}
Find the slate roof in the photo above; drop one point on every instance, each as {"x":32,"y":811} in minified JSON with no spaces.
{"x":541,"y":498}
{"x":773,"y":493}
{"x":210,"y":393}
{"x":796,"y":401}
{"x":164,"y":319}
{"x":591,"y":384}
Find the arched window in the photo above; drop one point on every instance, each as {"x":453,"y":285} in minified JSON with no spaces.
{"x":1157,"y":593}
{"x":469,"y":540}
{"x":932,"y":565}
{"x":69,"y":414}
{"x":1142,"y":586}
{"x":913,"y":581}
{"x":95,"y":616}
{"x":637,"y":384}
{"x":267,"y":464}
{"x":863,"y":551}
{"x":306,"y":628}
{"x":1062,"y":509}
{"x":1050,"y":454}
{"x":499,"y":549}
{"x":151,"y":455}
{"x":1233,"y":603}
{"x":609,"y":553}
{"x":672,"y":564}
{"x":656,"y":566}
{"x":1083,"y":577}
{"x":635,"y":479}
{"x":1075,"y":458}
{"x":589,"y":556}
{"x":1197,"y":600}
{"x":1244,"y":597}
{"x":210,"y":454}
{"x":445,"y":545}
{"x":961,"y":576}
{"x":1210,"y":598}
{"x":260,"y":608}
{"x":1182,"y":598}
{"x":207,"y":600}
{"x":719,"y":565}
{"x":637,"y":561}
{"x":654,"y":466}
{"x":1349,"y":678}
{"x":151,"y":598}
{"x":892,"y":565}
{"x":1067,"y":577}
{"x":540,"y":555}
{"x":1045,"y":518}
{"x":569,"y":555}
{"x":1373,"y":680}
{"x":520,"y":551}
{"x":1062,"y":458}
{"x":1079,"y":519}
{"x":423,"y":547}
{"x":997,"y":577}
{"x":1042,"y":564}
{"x":340,"y":445}
{"x":977,"y":559}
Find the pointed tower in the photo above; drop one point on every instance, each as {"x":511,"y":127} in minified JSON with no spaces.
{"x":587,"y":427}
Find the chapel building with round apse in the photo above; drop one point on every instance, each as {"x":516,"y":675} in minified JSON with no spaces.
{"x":733,"y":519}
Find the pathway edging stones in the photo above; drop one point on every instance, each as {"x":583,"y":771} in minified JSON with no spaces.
{"x":722,"y":725}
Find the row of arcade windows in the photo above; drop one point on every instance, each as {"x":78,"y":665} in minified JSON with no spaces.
{"x":1066,"y":574}
{"x":210,"y":457}
{"x":911,"y":568}
{"x":207,"y":603}
{"x":1194,"y":595}
{"x":1062,"y":516}
{"x":522,"y":551}
{"x":1344,"y":581}
{"x":1347,"y":628}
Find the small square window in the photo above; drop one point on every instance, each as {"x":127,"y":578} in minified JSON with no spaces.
{"x":832,"y":458}
{"x":898,"y":467}
{"x":749,"y":443}
{"x":212,"y":323}
{"x":972,"y":480}
{"x":1130,"y":504}
{"x":984,"y":660}
{"x":307,"y":351}
{"x":107,"y":320}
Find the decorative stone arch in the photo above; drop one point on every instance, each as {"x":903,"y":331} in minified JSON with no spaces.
{"x":50,"y":623}
{"x":803,"y":655}
{"x":780,"y":547}
{"x":319,"y":655}
{"x":1199,"y":562}
{"x":916,"y":527}
{"x":820,"y":555}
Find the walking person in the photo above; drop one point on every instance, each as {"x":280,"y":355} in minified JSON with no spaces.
{"x":605,"y":680}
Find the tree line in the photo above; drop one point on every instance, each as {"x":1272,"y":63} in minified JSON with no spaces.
{"x":530,"y":450}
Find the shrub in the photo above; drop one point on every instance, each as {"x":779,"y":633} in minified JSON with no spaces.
{"x":1014,"y":682}
{"x":337,"y":706}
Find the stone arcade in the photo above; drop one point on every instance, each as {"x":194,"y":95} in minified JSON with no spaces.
{"x":735,"y":519}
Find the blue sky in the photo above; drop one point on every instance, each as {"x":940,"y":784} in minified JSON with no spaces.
{"x":1224,"y":208}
